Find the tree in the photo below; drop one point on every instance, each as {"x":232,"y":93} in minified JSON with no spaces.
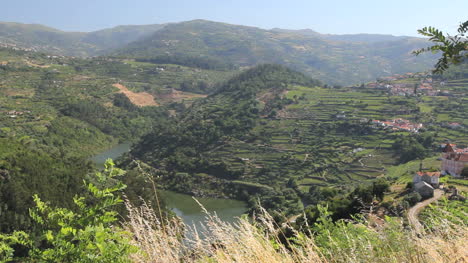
{"x":409,"y":148}
{"x":464,"y":172}
{"x":454,"y":48}
{"x":379,"y":188}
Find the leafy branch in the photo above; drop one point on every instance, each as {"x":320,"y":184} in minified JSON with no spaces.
{"x":86,"y":234}
{"x":454,"y":48}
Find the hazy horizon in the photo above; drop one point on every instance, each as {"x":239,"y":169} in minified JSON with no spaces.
{"x":279,"y":28}
{"x":398,"y":18}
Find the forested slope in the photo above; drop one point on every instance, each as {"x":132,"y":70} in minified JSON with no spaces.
{"x":333,"y":60}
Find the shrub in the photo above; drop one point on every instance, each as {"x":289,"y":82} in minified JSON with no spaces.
{"x":413,"y":198}
{"x":409,"y":185}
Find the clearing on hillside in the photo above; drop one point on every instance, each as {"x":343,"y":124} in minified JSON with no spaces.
{"x":140,"y":99}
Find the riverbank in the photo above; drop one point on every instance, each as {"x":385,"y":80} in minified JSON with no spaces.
{"x":114,"y":152}
{"x":183,"y":205}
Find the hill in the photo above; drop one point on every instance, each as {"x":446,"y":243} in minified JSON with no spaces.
{"x":333,"y":59}
{"x":116,"y":37}
{"x":45,"y":39}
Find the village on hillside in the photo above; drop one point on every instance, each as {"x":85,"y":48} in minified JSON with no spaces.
{"x":398,"y":125}
{"x":405,"y":85}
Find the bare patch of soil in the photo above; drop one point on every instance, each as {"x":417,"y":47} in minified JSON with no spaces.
{"x":140,"y":99}
{"x":36,"y":65}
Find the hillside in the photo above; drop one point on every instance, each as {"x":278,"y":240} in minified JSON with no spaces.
{"x":358,"y":38}
{"x":103,"y":92}
{"x":334,"y":59}
{"x":45,"y":39}
{"x":346,"y":59}
{"x":116,"y":37}
{"x":56,"y":112}
{"x":273,"y":132}
{"x":268,"y":135}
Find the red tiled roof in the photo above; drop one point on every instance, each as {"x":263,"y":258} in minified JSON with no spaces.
{"x":436,"y":174}
{"x":449,"y":148}
{"x":462,"y":157}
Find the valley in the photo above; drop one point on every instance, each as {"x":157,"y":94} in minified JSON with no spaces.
{"x":183,"y":205}
{"x":288,"y":134}
{"x":266,"y":133}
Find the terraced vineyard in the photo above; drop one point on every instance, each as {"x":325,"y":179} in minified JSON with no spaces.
{"x":310,"y":144}
{"x":318,"y":136}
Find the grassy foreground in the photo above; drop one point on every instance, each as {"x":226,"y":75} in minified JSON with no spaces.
{"x":92,"y":232}
{"x":264,"y":241}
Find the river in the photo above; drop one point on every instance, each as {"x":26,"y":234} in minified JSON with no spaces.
{"x":114,"y":152}
{"x":183,"y":205}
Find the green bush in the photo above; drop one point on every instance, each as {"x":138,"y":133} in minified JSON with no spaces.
{"x":413,"y":198}
{"x":86,"y":234}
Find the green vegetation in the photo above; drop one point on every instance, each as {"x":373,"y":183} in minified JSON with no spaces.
{"x":343,"y":206}
{"x":89,"y":234}
{"x":270,"y":134}
{"x":415,"y":147}
{"x":197,"y":62}
{"x":445,"y":213}
{"x":453,"y":48}
{"x":85,"y":234}
{"x":25,"y":171}
{"x":57,"y":112}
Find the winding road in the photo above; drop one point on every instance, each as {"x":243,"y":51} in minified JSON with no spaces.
{"x":414,"y":211}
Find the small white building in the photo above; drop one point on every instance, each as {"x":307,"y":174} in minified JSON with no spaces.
{"x":431,"y":178}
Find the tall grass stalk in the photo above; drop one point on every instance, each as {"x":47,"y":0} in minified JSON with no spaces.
{"x":252,"y":241}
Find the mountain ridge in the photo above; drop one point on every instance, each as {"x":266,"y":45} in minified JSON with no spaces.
{"x":46,"y":39}
{"x":334,"y":59}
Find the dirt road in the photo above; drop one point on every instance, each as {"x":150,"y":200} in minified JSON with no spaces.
{"x":414,"y":211}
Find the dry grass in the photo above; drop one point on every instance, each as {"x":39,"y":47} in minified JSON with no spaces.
{"x":248,"y":242}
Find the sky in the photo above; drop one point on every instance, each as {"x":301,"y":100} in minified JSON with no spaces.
{"x":396,"y":17}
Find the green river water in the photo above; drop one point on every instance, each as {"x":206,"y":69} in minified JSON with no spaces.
{"x":183,"y":205}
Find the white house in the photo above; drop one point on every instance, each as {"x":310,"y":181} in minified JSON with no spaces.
{"x":424,"y":189}
{"x":431,"y":178}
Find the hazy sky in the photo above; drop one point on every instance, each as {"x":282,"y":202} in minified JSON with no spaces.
{"x":397,"y":17}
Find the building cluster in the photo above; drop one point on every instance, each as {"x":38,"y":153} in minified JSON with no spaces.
{"x":398,"y":125}
{"x":15,"y":113}
{"x":453,"y":125}
{"x":425,"y":183}
{"x":453,"y":161}
{"x":425,"y":87}
{"x":14,"y":46}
